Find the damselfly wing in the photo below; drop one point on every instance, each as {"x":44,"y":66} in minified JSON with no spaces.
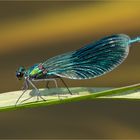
{"x":91,"y":61}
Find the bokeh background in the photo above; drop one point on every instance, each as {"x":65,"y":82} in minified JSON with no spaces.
{"x":33,"y":31}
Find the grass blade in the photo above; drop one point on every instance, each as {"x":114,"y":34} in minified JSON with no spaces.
{"x":7,"y":100}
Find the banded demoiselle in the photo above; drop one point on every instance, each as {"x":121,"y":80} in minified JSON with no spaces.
{"x":91,"y":61}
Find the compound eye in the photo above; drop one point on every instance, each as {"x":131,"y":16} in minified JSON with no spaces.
{"x":18,"y":74}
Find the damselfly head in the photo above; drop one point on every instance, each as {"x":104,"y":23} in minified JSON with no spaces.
{"x":20,"y":72}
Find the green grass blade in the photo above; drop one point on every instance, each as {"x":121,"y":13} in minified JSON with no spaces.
{"x":7,"y":100}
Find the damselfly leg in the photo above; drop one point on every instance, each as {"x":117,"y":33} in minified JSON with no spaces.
{"x":36,"y":89}
{"x":65,"y":85}
{"x":55,"y":82}
{"x":25,"y":87}
{"x":47,"y":85}
{"x":48,"y":80}
{"x":28,"y":81}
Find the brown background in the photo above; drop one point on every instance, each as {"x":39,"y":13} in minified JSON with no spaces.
{"x":32,"y":32}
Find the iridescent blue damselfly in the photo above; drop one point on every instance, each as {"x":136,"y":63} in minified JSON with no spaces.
{"x":91,"y":61}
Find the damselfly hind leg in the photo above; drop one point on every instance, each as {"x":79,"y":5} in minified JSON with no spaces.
{"x":47,"y":82}
{"x":66,"y":86}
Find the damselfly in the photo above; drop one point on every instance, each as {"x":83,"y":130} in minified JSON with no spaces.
{"x":91,"y":61}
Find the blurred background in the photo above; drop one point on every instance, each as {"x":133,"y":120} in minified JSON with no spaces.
{"x":33,"y":31}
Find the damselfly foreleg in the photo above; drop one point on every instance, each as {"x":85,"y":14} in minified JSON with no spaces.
{"x":25,"y":87}
{"x":36,"y":89}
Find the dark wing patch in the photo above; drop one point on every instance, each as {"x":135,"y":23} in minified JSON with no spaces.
{"x":92,"y":60}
